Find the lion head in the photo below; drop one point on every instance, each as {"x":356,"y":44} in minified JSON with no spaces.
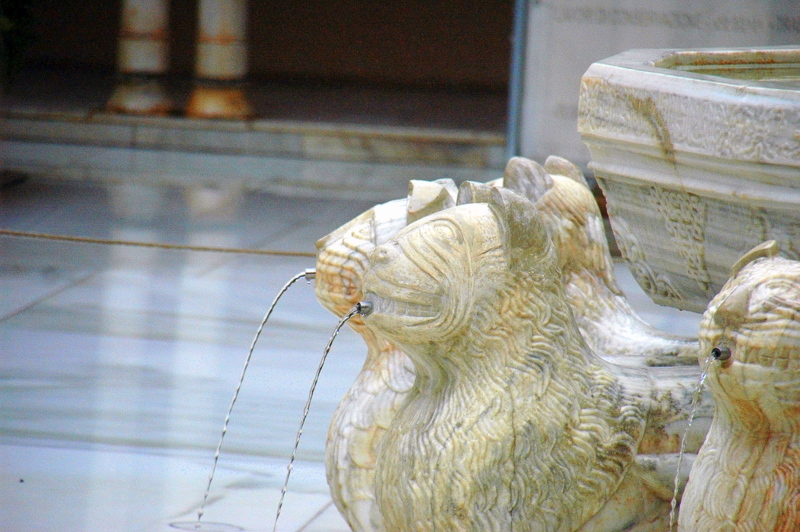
{"x":752,"y":328}
{"x":431,"y":280}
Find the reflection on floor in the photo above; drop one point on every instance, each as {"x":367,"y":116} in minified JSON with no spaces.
{"x":117,"y":364}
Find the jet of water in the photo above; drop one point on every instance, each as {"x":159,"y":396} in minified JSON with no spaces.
{"x":308,"y":275}
{"x":360,"y":308}
{"x":696,"y":397}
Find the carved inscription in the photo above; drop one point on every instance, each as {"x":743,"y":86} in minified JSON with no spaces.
{"x":678,"y":20}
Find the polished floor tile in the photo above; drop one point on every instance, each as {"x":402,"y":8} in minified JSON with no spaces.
{"x":119,"y":363}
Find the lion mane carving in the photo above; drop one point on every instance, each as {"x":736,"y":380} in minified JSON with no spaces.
{"x":513,"y":423}
{"x":574,"y":223}
{"x":747,"y":473}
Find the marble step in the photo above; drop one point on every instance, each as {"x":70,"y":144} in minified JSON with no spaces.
{"x":293,"y":157}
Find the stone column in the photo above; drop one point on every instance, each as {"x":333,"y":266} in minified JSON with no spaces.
{"x":221,"y":61}
{"x":142,"y":57}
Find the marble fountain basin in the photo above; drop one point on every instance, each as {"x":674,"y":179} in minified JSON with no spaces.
{"x":698,"y":154}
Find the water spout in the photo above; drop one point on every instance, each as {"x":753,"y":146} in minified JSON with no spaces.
{"x":721,"y":353}
{"x":364,"y":308}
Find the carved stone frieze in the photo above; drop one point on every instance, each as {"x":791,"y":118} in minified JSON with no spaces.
{"x":709,"y":140}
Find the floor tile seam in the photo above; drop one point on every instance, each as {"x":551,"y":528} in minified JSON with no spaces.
{"x":262,"y":243}
{"x":316,"y":516}
{"x":72,"y":284}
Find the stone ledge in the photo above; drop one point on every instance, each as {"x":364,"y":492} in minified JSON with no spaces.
{"x":283,"y":175}
{"x":261,"y":137}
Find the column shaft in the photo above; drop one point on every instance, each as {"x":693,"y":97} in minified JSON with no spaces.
{"x":221,"y":61}
{"x":141,"y":56}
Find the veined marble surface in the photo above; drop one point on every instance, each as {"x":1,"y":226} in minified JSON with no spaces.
{"x":117,"y":364}
{"x":698,"y":154}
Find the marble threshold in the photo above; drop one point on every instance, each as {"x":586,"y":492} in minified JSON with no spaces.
{"x":293,"y":157}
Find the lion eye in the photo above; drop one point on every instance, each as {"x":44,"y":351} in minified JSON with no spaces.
{"x":445,"y":234}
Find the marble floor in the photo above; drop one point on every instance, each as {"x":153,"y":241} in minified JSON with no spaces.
{"x":117,"y":364}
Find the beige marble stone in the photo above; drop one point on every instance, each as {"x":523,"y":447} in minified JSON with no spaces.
{"x":747,"y":474}
{"x":698,"y":153}
{"x":513,"y":421}
{"x":275,"y":156}
{"x":572,"y":218}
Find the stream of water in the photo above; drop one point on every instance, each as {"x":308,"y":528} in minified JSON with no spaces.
{"x":696,"y":397}
{"x":308,"y":275}
{"x":358,"y":309}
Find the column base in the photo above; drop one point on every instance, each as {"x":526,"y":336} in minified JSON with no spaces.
{"x":219,"y":102}
{"x":139,"y":97}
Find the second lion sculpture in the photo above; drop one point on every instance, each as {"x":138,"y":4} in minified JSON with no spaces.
{"x":513,"y":422}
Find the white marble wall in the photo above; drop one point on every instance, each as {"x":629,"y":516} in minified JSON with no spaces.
{"x":566,"y":36}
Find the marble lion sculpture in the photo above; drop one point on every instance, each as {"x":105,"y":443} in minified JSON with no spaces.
{"x":366,"y":411}
{"x":574,"y":223}
{"x":747,"y":474}
{"x":513,"y":422}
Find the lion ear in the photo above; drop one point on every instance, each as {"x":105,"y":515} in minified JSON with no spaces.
{"x":555,"y":165}
{"x":473,"y":192}
{"x":527,"y":177}
{"x":427,"y":197}
{"x":769,"y":248}
{"x":526,"y":234}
